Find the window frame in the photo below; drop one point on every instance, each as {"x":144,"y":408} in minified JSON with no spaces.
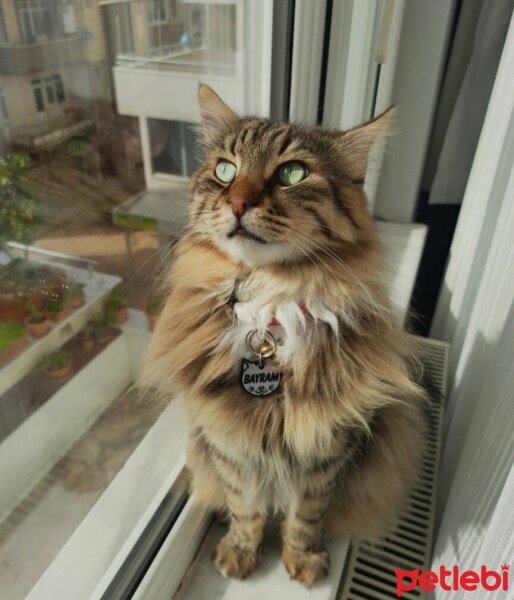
{"x":27,"y":10}
{"x":51,"y":91}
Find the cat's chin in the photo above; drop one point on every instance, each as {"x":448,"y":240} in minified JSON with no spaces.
{"x":253,"y":253}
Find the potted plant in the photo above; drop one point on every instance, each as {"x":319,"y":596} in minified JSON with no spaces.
{"x":13,"y":339}
{"x":152,"y":311}
{"x":37,"y":322}
{"x":76,"y":295}
{"x":88,"y":337}
{"x":116,"y":307}
{"x":57,"y":365}
{"x":101,"y":328}
{"x":57,"y":308}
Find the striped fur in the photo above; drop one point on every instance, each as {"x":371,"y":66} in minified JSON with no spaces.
{"x":335,"y":450}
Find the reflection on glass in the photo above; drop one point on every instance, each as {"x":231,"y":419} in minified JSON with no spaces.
{"x":74,"y":186}
{"x":174,"y":147}
{"x":168,"y":34}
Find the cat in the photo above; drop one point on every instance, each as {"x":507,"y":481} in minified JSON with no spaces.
{"x":280,"y":270}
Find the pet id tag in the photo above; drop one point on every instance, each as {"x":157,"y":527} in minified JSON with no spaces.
{"x":259,"y":377}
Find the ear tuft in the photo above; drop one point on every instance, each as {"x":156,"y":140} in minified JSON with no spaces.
{"x":217,"y":118}
{"x":356,"y":143}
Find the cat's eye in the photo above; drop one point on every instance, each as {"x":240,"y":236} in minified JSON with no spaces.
{"x":225,"y":171}
{"x":291,"y":173}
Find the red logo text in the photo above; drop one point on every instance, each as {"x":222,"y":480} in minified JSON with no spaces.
{"x":452,"y":579}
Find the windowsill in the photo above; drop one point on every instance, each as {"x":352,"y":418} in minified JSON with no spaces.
{"x":109,"y":531}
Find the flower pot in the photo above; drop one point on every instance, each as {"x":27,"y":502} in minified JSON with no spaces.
{"x":103,"y":335}
{"x":122,"y":315}
{"x":77,"y":302}
{"x":56,"y":374}
{"x":57,"y":317}
{"x":14,"y":349}
{"x":88,"y":344}
{"x":37,"y":328}
{"x":152,"y":320}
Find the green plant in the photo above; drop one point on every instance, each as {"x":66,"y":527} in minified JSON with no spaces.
{"x":55,"y":304}
{"x":88,"y":330}
{"x":19,"y":211}
{"x":10,"y":332}
{"x":35,"y":314}
{"x":75,"y":290}
{"x":115,"y":301}
{"x":154,"y":307}
{"x":56,"y":360}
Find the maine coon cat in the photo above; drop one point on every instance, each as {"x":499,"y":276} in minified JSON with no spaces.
{"x":277,"y":331}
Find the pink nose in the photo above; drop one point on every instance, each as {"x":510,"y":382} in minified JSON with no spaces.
{"x":239,"y":205}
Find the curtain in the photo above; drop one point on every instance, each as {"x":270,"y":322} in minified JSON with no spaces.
{"x":475,"y":313}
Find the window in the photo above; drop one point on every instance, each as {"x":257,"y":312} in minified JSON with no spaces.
{"x":49,"y":90}
{"x":4,"y":116}
{"x":36,"y":18}
{"x":107,"y":193}
{"x":174,"y":147}
{"x":159,"y":11}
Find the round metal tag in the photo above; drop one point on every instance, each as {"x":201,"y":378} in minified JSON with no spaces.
{"x":259,"y":378}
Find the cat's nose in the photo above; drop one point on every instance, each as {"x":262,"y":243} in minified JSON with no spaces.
{"x":240,"y":205}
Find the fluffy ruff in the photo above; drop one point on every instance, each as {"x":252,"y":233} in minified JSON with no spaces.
{"x":336,"y":449}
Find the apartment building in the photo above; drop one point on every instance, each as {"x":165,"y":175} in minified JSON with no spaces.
{"x":53,"y":68}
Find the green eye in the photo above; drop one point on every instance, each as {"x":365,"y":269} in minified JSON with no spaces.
{"x":225,"y":171}
{"x":291,"y":173}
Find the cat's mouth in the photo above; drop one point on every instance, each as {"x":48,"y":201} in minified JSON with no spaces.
{"x":242,"y":233}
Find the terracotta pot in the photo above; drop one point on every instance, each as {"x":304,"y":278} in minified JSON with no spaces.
{"x":104,"y":335}
{"x":58,"y":373}
{"x":88,"y":344}
{"x":77,"y":302}
{"x":57,"y":317}
{"x":13,"y":350}
{"x":39,"y":328}
{"x":152,"y":320}
{"x":122,"y":315}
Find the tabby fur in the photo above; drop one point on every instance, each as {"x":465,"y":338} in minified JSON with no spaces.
{"x":336,"y":448}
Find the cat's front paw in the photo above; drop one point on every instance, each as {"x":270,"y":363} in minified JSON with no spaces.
{"x":306,"y":567}
{"x":234,"y":561}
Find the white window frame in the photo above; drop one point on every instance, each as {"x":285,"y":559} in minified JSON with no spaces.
{"x":50,"y":88}
{"x":30,"y":8}
{"x":387,"y":32}
{"x":153,"y":8}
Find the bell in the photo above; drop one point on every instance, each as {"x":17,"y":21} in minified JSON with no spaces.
{"x":266,"y":348}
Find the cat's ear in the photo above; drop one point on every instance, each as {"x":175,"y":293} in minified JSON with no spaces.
{"x":217,"y":118}
{"x":357,"y":142}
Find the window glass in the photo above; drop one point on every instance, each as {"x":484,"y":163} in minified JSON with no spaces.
{"x":98,"y":138}
{"x":174,"y":147}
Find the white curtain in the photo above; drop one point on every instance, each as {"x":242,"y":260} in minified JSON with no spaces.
{"x":475,"y":313}
{"x":475,"y":54}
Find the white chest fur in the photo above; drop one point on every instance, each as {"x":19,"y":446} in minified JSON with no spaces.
{"x":260,"y":299}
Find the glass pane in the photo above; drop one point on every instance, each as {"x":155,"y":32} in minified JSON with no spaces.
{"x":98,"y":138}
{"x":174,"y":147}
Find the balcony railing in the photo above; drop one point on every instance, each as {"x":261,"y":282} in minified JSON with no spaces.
{"x":43,"y":55}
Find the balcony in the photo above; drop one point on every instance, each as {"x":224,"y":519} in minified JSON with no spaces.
{"x":41,"y":56}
